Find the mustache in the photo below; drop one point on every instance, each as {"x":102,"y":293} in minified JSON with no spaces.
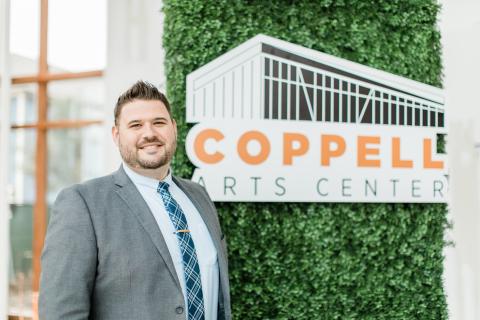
{"x":146,"y":141}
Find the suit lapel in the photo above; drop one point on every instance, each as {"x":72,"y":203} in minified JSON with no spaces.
{"x":134,"y":200}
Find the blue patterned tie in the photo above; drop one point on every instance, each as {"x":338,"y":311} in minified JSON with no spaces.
{"x":189,"y":255}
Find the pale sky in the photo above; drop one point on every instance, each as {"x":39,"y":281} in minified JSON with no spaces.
{"x":77,"y":32}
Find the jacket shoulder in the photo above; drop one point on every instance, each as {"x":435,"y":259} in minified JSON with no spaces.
{"x":92,"y":187}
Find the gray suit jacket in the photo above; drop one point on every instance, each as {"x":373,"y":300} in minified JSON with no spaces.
{"x":105,"y":257}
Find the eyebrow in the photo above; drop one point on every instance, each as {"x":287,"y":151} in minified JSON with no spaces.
{"x":154,"y":119}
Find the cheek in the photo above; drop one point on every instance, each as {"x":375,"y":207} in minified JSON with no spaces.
{"x":172,"y":138}
{"x":166,"y":134}
{"x":128,"y":140}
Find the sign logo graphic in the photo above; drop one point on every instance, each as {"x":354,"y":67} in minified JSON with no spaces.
{"x":279,"y":122}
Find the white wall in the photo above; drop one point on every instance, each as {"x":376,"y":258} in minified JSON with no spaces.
{"x":460,"y":28}
{"x":134,"y":52}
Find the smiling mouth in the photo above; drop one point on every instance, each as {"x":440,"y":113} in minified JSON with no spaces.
{"x":151,"y":148}
{"x":150,"y":145}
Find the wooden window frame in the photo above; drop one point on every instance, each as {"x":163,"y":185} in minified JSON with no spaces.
{"x":42,"y":125}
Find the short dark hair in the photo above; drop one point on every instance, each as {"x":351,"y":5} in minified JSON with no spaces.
{"x":141,"y":90}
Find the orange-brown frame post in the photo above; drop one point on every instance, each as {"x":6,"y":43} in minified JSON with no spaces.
{"x":40,"y":207}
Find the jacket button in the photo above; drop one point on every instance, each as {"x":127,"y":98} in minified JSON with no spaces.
{"x":179,"y":310}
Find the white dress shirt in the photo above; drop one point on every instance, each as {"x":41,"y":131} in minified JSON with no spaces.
{"x":206,"y":252}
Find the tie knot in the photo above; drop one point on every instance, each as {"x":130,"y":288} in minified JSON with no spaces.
{"x":162,"y":186}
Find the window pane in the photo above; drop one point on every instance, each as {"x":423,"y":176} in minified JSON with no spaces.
{"x":24,"y":36}
{"x":20,"y":279}
{"x":21,"y":190}
{"x":74,"y":155}
{"x":81,"y":99}
{"x":23,"y":104}
{"x":22,"y":166}
{"x":77,"y":35}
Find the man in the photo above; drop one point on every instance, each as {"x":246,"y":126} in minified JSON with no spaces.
{"x":139,"y":243}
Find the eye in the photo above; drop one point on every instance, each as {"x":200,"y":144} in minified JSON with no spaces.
{"x":135,"y":125}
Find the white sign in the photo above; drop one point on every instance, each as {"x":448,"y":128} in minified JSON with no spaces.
{"x":279,"y":122}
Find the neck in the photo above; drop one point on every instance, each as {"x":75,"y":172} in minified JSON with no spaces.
{"x":158,"y":174}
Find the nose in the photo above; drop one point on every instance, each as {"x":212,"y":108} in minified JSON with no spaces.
{"x":148,"y":130}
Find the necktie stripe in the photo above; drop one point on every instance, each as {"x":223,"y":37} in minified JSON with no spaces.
{"x":191,"y":268}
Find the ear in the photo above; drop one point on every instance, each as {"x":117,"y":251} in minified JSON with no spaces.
{"x":115,"y":134}
{"x":175,"y":127}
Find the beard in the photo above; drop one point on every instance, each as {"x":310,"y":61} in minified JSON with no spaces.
{"x":134,"y":159}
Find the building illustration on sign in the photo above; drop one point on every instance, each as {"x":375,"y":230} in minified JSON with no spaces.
{"x":331,"y":118}
{"x":259,"y":80}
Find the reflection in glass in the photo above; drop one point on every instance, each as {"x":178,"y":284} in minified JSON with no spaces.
{"x":21,"y":194}
{"x":23,"y":104}
{"x":20,"y":275}
{"x":74,"y":155}
{"x":80,"y":99}
{"x":21,"y":186}
{"x":22,"y":66}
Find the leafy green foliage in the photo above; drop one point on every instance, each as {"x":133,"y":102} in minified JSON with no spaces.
{"x":321,"y":261}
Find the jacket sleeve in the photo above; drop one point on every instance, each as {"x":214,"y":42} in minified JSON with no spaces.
{"x":69,"y":260}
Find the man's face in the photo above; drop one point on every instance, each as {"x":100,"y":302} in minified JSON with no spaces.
{"x":145,"y":134}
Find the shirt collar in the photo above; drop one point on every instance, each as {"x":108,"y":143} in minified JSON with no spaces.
{"x":139,"y":179}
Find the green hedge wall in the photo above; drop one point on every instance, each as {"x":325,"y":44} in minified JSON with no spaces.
{"x":321,"y":261}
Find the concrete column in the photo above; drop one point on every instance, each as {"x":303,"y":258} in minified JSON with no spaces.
{"x":134,"y":52}
{"x":460,"y":26}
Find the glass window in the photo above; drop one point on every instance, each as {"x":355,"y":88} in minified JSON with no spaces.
{"x":77,"y":35}
{"x":23,"y":104}
{"x":76,"y":42}
{"x":80,"y":99}
{"x":21,"y":190}
{"x":73,"y":157}
{"x":24,"y":36}
{"x":20,"y":275}
{"x":22,"y":166}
